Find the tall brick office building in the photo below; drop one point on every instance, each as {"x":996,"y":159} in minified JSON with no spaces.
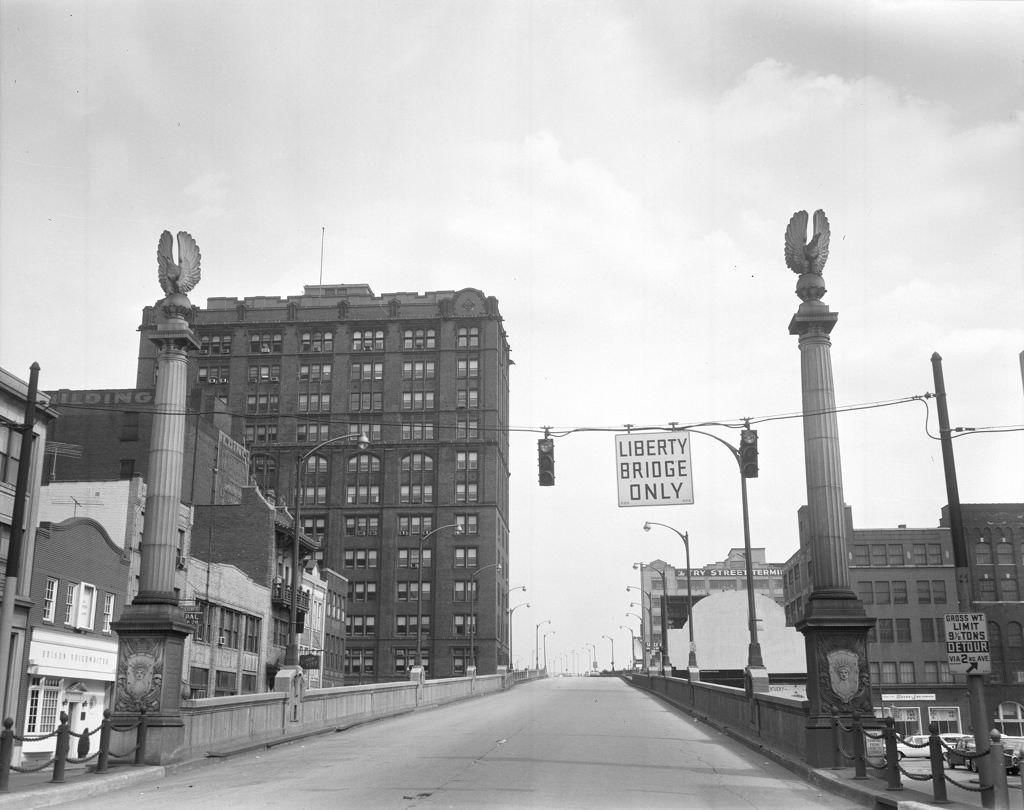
{"x":426,"y":378}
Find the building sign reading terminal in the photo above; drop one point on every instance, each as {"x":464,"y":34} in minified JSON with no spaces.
{"x":653,"y":469}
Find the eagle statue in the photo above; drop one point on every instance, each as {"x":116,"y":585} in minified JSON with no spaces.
{"x":181,"y":276}
{"x":803,"y":256}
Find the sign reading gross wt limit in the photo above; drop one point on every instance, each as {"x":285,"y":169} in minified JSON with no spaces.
{"x":653,"y":469}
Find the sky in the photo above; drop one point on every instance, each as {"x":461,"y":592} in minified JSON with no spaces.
{"x":619,"y":175}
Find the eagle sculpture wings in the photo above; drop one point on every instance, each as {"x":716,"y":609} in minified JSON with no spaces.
{"x":803,"y":256}
{"x":183,"y":275}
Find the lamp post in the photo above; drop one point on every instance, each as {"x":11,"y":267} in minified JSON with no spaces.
{"x":291,"y":655}
{"x":592,"y":663}
{"x":472,"y":614}
{"x":613,"y":649}
{"x":755,"y":671}
{"x":644,"y":623}
{"x":544,"y":639}
{"x":459,"y":530}
{"x":685,"y":537}
{"x":665,"y":661}
{"x":536,"y":643}
{"x":510,"y":612}
{"x":632,"y":646}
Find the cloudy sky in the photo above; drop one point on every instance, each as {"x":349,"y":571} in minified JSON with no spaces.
{"x":618,"y":174}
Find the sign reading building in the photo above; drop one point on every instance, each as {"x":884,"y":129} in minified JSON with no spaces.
{"x":967,"y":643}
{"x":653,"y":469}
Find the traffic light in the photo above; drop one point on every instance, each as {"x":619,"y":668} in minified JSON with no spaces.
{"x":748,"y":453}
{"x":546,"y":462}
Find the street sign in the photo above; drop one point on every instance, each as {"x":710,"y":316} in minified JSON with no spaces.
{"x":967,"y":643}
{"x":653,"y":469}
{"x":193,"y":615}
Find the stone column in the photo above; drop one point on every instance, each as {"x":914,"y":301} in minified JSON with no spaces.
{"x":152,"y":630}
{"x":835,"y":624}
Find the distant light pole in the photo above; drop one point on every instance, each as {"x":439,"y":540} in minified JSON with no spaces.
{"x":291,"y":655}
{"x":644,"y":623}
{"x":472,"y":614}
{"x":632,"y":646}
{"x":536,"y":643}
{"x":510,"y":612}
{"x":459,"y":530}
{"x":544,"y":640}
{"x":613,"y":649}
{"x":592,"y":663}
{"x":665,"y":662}
{"x":685,"y":537}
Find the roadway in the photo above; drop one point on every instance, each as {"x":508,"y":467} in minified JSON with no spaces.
{"x":555,"y":743}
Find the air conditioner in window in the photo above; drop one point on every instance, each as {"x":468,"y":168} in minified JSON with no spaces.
{"x":361,"y":532}
{"x":275,"y":379}
{"x":367,"y":348}
{"x":404,"y":533}
{"x":221,"y":641}
{"x":179,"y":563}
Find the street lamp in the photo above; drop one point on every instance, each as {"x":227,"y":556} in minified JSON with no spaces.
{"x":632,"y":646}
{"x":472,"y":615}
{"x":510,"y":612}
{"x":544,"y":638}
{"x":685,"y":537}
{"x":645,"y":629}
{"x":613,"y":649}
{"x":508,"y":624}
{"x":536,"y":643}
{"x":754,"y":659}
{"x":665,"y":662}
{"x":459,"y":530}
{"x":291,"y":655}
{"x":592,"y":663}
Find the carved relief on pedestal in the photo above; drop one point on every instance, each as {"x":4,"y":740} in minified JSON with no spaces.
{"x":844,"y":681}
{"x":140,"y":674}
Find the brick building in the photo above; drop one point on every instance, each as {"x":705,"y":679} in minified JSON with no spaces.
{"x":78,"y":589}
{"x":426,"y":378}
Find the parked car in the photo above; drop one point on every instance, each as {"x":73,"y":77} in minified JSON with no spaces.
{"x":1012,"y":753}
{"x":907,"y":747}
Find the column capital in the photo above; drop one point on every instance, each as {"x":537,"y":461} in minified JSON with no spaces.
{"x":813,"y":317}
{"x":174,"y":334}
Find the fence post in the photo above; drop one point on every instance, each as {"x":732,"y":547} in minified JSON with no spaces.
{"x":1000,"y":790}
{"x":859,"y":760}
{"x":6,"y":753}
{"x":60,"y":756}
{"x":101,"y":761}
{"x":140,"y":739}
{"x":892,"y":757}
{"x":938,"y":770}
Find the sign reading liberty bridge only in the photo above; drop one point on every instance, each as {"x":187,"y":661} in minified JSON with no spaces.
{"x":967,"y":643}
{"x":653,"y":469}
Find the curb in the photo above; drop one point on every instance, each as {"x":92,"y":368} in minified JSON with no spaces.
{"x":82,"y":788}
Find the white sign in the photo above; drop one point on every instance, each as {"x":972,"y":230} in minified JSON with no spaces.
{"x":967,"y":643}
{"x":653,"y":469}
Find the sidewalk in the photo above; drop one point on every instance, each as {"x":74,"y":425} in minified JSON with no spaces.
{"x":29,"y":790}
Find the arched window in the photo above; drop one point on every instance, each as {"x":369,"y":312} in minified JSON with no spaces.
{"x":416,"y":484}
{"x":263,"y":471}
{"x":982,"y":553}
{"x":995,"y":645}
{"x":315,"y":480}
{"x":1004,"y":551}
{"x":362,"y":479}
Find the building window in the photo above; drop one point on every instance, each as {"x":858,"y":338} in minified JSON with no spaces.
{"x":465,"y":557}
{"x":468,"y":397}
{"x":467,"y":367}
{"x":878,"y":555}
{"x":885,"y":631}
{"x":899,"y":592}
{"x":419,"y":339}
{"x":948,"y":719}
{"x":315,"y":527}
{"x":42,"y":705}
{"x":986,"y":589}
{"x":931,"y":671}
{"x":860,"y":555}
{"x":253,"y":625}
{"x":69,"y":603}
{"x":262,"y":403}
{"x":1007,"y":585}
{"x":889,"y":672}
{"x":363,"y":479}
{"x":198,"y":682}
{"x":415,"y":524}
{"x":467,"y":429}
{"x":410,"y":557}
{"x":263,"y":470}
{"x":418,"y":370}
{"x":269,"y":373}
{"x":462,"y":624}
{"x":360,"y":558}
{"x":50,"y":600}
{"x":265,"y":343}
{"x":226,"y":683}
{"x":202,"y":627}
{"x":362,"y":526}
{"x":416,"y":484}
{"x":261,"y":433}
{"x":213,"y":374}
{"x":371,"y":430}
{"x":882,"y":593}
{"x":368,"y":340}
{"x":361,"y":625}
{"x":903,"y":630}
{"x":10,"y":453}
{"x":359,"y":662}
{"x":469,"y":523}
{"x":929,"y":630}
{"x":417,"y":400}
{"x":465,"y":590}
{"x":108,"y":611}
{"x":467,"y":337}
{"x":362,"y":592}
{"x":895,"y":554}
{"x":230,"y":628}
{"x":316,"y":342}
{"x":406,"y":625}
{"x":215,"y":344}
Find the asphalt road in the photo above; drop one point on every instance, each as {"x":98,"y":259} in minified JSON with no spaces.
{"x":557,"y":743}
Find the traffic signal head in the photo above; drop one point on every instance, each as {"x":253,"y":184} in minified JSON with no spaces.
{"x":748,"y":453}
{"x":546,"y":462}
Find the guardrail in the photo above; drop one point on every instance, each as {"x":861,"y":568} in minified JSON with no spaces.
{"x":861,"y":730}
{"x":61,"y":756}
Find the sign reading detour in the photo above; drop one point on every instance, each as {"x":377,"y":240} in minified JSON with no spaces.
{"x":653,"y":469}
{"x":967,"y":643}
